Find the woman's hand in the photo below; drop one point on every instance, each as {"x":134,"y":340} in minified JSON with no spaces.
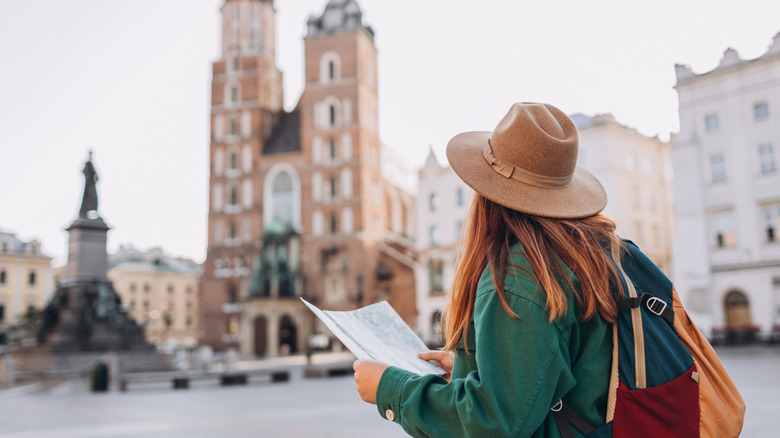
{"x":367,"y":376}
{"x":445,"y":359}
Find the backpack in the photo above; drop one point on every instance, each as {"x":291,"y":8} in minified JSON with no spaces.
{"x":666,"y":381}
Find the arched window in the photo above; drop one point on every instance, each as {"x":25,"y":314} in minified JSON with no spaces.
{"x":233,"y":125}
{"x":332,"y":115}
{"x":334,"y":223}
{"x":334,"y":187}
{"x":233,"y":195}
{"x":283,"y":198}
{"x":330,"y":68}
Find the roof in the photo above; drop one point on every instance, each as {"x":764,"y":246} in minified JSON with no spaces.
{"x":338,"y":16}
{"x":154,"y":259}
{"x":287,"y":135}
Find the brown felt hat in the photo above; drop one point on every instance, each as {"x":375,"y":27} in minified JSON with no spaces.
{"x":529,"y":164}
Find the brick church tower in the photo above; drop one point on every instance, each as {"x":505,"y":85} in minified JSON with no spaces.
{"x":324,"y":223}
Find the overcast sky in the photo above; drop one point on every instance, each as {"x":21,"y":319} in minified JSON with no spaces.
{"x":130,"y":80}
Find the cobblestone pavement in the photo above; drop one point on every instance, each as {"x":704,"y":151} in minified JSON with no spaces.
{"x":299,"y":408}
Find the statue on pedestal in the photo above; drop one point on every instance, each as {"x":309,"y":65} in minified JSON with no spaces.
{"x":90,"y":200}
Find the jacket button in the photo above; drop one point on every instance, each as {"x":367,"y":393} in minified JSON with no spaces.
{"x":390,"y":415}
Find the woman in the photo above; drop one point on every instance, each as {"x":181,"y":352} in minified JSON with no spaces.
{"x":528,"y":315}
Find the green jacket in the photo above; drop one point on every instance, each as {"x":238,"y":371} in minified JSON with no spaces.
{"x":515,"y":371}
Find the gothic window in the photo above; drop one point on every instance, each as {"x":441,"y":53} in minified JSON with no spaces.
{"x":332,"y":149}
{"x":330,"y":68}
{"x":233,"y":125}
{"x":332,"y":119}
{"x":334,"y":223}
{"x":233,"y":160}
{"x":233,"y":232}
{"x":233,"y":195}
{"x":334,"y":187}
{"x":283,"y":197}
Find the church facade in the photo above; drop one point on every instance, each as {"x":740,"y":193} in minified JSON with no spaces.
{"x":300,"y":206}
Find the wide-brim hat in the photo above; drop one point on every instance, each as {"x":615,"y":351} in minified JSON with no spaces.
{"x":529,"y":164}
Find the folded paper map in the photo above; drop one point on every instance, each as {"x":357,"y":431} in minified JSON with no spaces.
{"x":377,"y":332}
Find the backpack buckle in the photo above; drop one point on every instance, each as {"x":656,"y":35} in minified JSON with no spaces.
{"x":656,"y":305}
{"x":558,"y":406}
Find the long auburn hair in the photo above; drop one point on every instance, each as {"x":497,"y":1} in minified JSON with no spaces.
{"x":489,"y":232}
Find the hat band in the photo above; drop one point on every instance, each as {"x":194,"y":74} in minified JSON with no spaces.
{"x":524,"y":176}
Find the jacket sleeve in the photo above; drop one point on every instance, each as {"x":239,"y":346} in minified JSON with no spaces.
{"x":522,"y":370}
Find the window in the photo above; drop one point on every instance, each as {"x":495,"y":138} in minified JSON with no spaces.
{"x":233,"y":160}
{"x":233,"y":195}
{"x":132,"y":288}
{"x":2,"y":312}
{"x":146,"y":288}
{"x":233,"y":232}
{"x":334,"y":223}
{"x":460,"y":195}
{"x":334,"y":187}
{"x":232,"y":294}
{"x":233,"y":94}
{"x":331,"y":70}
{"x":282,"y":197}
{"x":760,"y":111}
{"x":433,"y":201}
{"x":711,"y":122}
{"x":717,"y":168}
{"x":332,"y":119}
{"x":332,"y":149}
{"x":234,"y":63}
{"x":2,"y":276}
{"x":766,"y":156}
{"x":772,"y":222}
{"x":170,"y":289}
{"x":458,"y":229}
{"x":435,"y":235}
{"x":31,"y":278}
{"x":723,"y":229}
{"x":436,"y":276}
{"x":631,"y":160}
{"x":233,"y":125}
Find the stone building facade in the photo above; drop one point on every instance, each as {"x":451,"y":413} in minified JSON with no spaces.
{"x":636,"y":172}
{"x":442,"y":204}
{"x":727,"y":191}
{"x":299,"y":203}
{"x":26,"y":277}
{"x":160,"y":292}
